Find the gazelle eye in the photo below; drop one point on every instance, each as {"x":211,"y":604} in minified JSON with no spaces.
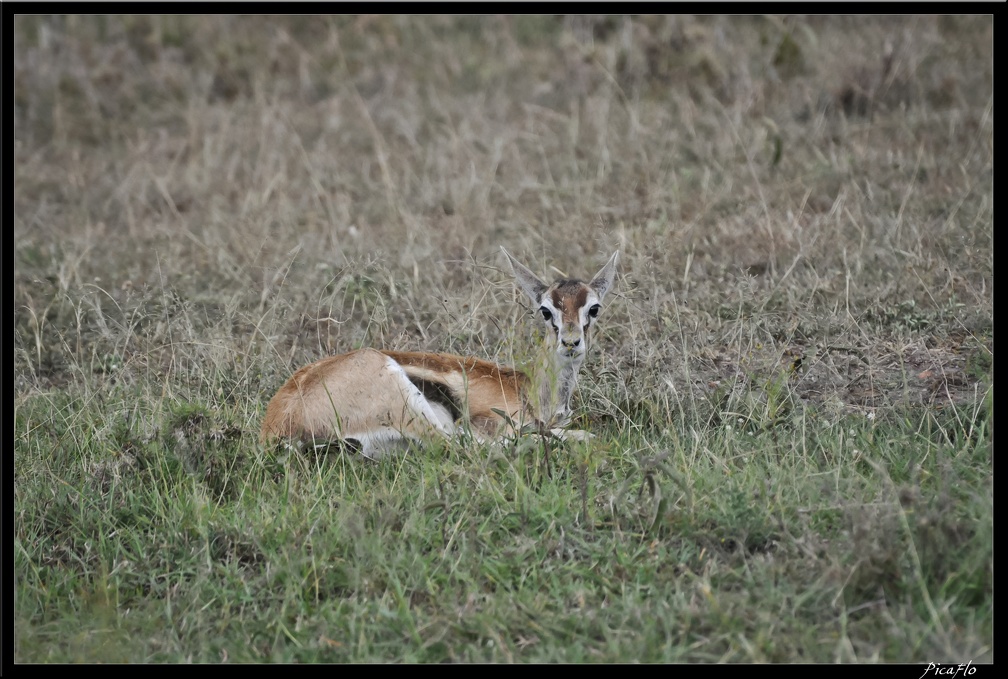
{"x":593,"y":311}
{"x":546,"y":313}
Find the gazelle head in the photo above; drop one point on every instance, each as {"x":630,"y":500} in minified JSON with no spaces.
{"x":569,"y":308}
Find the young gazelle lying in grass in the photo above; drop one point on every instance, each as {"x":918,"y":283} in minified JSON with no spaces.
{"x":381,"y":399}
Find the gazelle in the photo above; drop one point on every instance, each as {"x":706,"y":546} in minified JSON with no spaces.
{"x":384,"y":399}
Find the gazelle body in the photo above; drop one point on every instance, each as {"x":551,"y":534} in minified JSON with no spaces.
{"x":384,"y":399}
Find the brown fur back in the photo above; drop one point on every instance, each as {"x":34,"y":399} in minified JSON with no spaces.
{"x":479,"y":386}
{"x":353,"y":392}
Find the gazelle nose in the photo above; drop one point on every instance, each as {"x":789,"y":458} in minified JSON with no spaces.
{"x":572,"y":343}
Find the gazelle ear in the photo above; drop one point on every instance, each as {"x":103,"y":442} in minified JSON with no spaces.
{"x":603,"y":280}
{"x":526,"y":280}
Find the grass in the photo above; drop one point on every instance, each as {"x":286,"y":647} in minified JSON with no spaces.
{"x":791,"y":385}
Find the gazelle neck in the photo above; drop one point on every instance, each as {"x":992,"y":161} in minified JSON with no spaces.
{"x":554,"y":381}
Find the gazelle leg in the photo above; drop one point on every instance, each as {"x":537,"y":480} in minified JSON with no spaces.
{"x":395,"y":428}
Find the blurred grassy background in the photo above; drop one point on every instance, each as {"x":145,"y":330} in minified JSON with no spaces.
{"x":253,"y":166}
